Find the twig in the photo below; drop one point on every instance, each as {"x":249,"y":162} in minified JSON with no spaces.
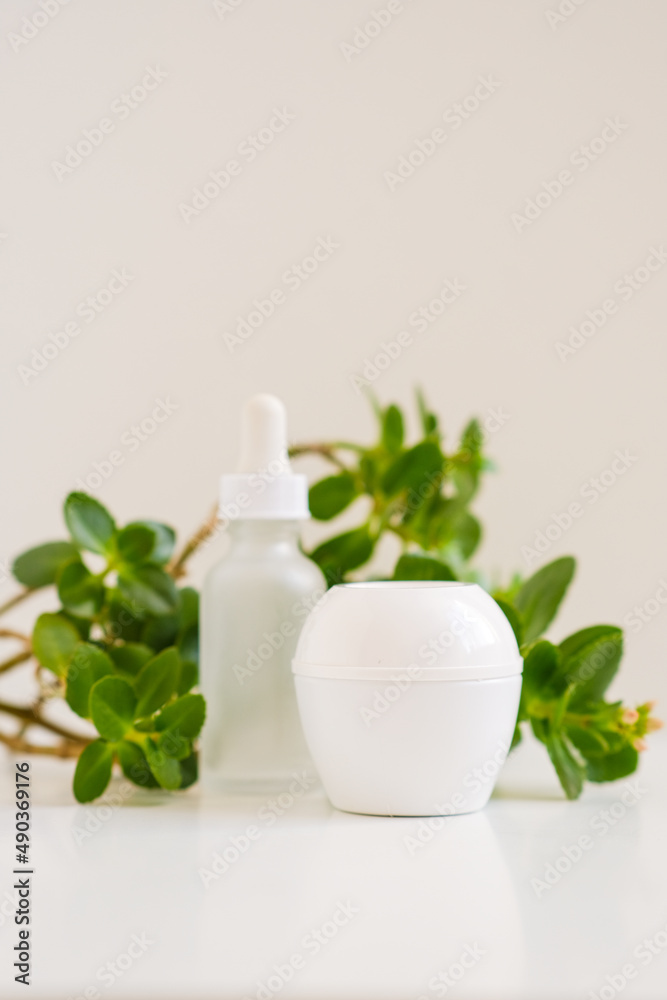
{"x":13,"y":601}
{"x":10,"y":633}
{"x":13,"y":661}
{"x":327,"y":451}
{"x":64,"y":749}
{"x":35,"y":719}
{"x":176,"y":567}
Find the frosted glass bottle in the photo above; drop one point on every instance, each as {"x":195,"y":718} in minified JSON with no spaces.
{"x":254,"y":603}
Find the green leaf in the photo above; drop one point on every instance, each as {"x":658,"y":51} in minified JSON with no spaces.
{"x":188,"y":643}
{"x":591,"y":658}
{"x":413,"y":468}
{"x":125,"y":619}
{"x":164,"y":539}
{"x":513,"y":617}
{"x":590,"y":742}
{"x":134,"y":764}
{"x":112,"y":707}
{"x":392,"y":429}
{"x":160,"y":632}
{"x":174,"y":745}
{"x":369,"y":472}
{"x":39,"y":567}
{"x":135,"y":543}
{"x":54,"y":639}
{"x":93,"y":771}
{"x":467,"y":465}
{"x":189,"y":770}
{"x":330,"y":496}
{"x":188,"y":614}
{"x":539,"y":597}
{"x":89,"y":523}
{"x":88,"y":665}
{"x":467,"y":534}
{"x":612,"y":766}
{"x":429,"y":421}
{"x":416,"y":567}
{"x":541,"y":672}
{"x":472,"y":439}
{"x":150,"y":587}
{"x":156,"y":681}
{"x":345,"y":552}
{"x":188,"y":677}
{"x":570,"y":772}
{"x":166,"y":769}
{"x":185,"y":716}
{"x":81,"y":593}
{"x":82,"y":625}
{"x":131,"y":657}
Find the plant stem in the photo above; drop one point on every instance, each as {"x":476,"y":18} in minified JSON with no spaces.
{"x":10,"y":633}
{"x":327,"y":451}
{"x":29,"y":715}
{"x":13,"y":661}
{"x":176,"y":567}
{"x":324,"y":447}
{"x":13,"y":601}
{"x":65,"y":749}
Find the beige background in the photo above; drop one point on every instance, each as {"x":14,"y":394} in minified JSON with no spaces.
{"x":556,"y":82}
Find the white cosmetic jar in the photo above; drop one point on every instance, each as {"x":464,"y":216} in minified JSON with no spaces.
{"x":408,"y":694}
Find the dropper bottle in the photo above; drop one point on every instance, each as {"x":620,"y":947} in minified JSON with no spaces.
{"x":254,"y":603}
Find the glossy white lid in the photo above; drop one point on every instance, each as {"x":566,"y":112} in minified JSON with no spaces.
{"x":427,"y":630}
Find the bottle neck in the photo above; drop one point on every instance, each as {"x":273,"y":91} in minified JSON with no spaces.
{"x":257,"y":533}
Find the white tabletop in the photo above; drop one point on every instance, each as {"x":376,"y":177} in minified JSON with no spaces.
{"x":322,"y":904}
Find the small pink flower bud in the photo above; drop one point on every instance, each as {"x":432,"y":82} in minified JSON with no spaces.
{"x":630,"y":716}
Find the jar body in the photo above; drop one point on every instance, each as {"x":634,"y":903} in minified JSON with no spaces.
{"x":431,"y":748}
{"x":254,"y":603}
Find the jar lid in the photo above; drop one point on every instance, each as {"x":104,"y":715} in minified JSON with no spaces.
{"x":423,"y":630}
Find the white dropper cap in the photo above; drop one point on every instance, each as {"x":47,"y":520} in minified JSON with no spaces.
{"x":264,"y":486}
